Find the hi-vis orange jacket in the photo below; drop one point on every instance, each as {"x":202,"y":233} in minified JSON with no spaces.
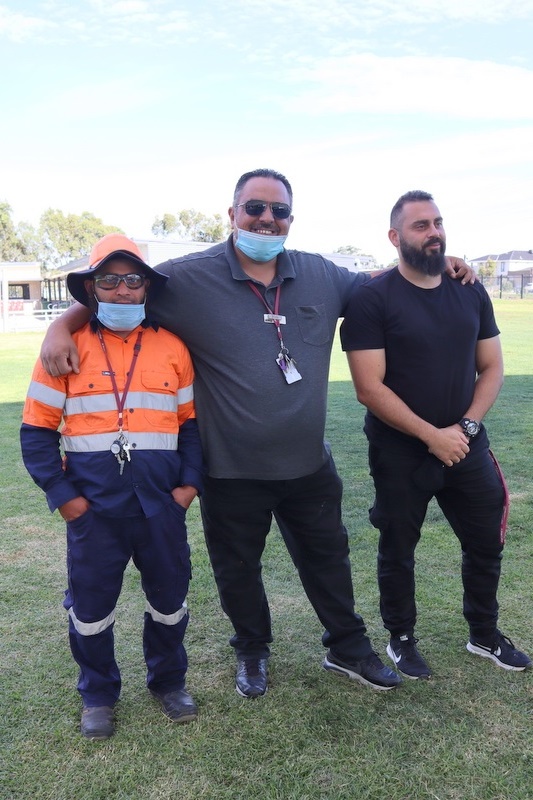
{"x":158,"y":422}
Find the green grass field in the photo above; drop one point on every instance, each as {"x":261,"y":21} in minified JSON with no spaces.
{"x":464,"y":735}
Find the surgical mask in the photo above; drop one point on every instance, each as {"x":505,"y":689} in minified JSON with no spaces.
{"x":120,"y":316}
{"x":258,"y":246}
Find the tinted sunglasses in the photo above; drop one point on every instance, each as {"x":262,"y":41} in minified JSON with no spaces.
{"x":254,"y":208}
{"x":132,"y":281}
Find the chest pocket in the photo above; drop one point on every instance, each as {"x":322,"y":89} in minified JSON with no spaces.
{"x":313,"y":324}
{"x":91,"y":400}
{"x":90,"y":383}
{"x":159,"y":400}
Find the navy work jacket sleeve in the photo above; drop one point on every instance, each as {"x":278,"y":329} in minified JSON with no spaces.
{"x":190,"y":450}
{"x":42,"y":459}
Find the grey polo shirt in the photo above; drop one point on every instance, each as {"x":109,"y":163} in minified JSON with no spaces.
{"x":253,"y":424}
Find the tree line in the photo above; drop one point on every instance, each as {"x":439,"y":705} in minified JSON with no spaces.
{"x":60,"y":238}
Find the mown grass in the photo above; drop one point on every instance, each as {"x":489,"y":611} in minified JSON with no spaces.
{"x":465,"y":734}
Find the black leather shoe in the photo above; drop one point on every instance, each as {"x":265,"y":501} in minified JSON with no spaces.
{"x":251,"y":677}
{"x":97,"y":722}
{"x":370,"y":671}
{"x":178,"y":705}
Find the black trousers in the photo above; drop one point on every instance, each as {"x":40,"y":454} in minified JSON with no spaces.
{"x":471,"y":496}
{"x":237,"y":516}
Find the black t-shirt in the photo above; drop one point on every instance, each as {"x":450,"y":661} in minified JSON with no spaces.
{"x":429,"y":337}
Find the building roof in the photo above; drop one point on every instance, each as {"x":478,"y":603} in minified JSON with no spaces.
{"x":17,"y":271}
{"x":511,"y":255}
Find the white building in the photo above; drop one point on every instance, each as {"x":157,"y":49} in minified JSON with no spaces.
{"x":517,"y":262}
{"x":20,"y":290}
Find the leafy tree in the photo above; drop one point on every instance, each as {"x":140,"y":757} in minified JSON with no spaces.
{"x":68,"y":237}
{"x":165,"y":226}
{"x":349,"y":250}
{"x":29,"y":238}
{"x":488,"y":269}
{"x":193,"y":226}
{"x":17,"y":242}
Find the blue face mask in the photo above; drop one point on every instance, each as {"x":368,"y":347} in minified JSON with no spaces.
{"x":259,"y":247}
{"x":120,"y":316}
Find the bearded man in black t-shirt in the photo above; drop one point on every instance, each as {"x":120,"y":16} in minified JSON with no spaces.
{"x":426,"y":360}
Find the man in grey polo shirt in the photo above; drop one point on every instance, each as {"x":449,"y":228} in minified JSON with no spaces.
{"x":259,"y":322}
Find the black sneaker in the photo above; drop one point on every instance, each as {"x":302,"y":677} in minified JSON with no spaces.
{"x":369,"y":670}
{"x":251,"y":677}
{"x":502,"y":651}
{"x":403,"y":651}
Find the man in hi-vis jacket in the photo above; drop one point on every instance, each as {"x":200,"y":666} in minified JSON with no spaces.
{"x":122,"y":472}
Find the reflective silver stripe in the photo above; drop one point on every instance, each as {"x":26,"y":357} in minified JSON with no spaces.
{"x":98,"y":442}
{"x":90,"y":403}
{"x":167,"y":619}
{"x":47,"y":395}
{"x":152,"y":400}
{"x":185,"y":395}
{"x":106,"y":402}
{"x":91,"y":628}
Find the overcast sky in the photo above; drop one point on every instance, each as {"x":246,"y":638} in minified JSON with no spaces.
{"x":133,"y":109}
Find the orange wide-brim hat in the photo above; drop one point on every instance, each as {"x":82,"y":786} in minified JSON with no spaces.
{"x":113,"y":245}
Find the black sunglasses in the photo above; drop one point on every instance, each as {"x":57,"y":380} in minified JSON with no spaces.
{"x":254,"y":208}
{"x":111,"y":281}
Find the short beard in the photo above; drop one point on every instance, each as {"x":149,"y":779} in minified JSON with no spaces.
{"x":419,"y":260}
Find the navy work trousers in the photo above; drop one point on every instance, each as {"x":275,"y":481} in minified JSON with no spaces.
{"x":237,"y":516}
{"x":471,"y":496}
{"x":98,"y":551}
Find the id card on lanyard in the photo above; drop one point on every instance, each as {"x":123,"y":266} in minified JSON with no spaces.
{"x":284,"y":360}
{"x":121,"y":447}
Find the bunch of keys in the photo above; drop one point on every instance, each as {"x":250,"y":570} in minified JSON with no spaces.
{"x":288,"y":366}
{"x":121,"y":450}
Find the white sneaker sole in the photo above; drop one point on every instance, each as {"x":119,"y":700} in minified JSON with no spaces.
{"x":480,"y":651}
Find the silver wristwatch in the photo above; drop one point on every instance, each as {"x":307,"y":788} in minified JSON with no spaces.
{"x":470,"y":427}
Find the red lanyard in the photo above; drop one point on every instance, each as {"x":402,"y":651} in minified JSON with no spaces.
{"x":121,"y":400}
{"x":284,"y":361}
{"x":275,"y":313}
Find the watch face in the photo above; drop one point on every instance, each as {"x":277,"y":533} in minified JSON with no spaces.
{"x":471,"y":428}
